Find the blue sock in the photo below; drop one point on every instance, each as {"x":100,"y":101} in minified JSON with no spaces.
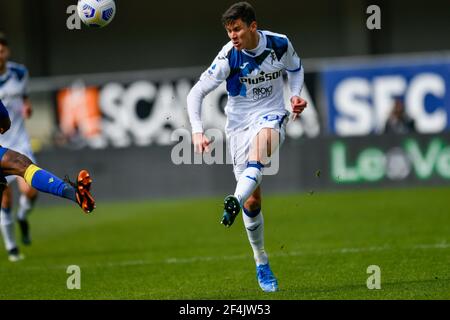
{"x":47,"y":182}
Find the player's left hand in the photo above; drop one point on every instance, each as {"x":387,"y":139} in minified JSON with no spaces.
{"x":298,"y":105}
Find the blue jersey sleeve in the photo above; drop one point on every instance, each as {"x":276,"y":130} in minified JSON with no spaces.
{"x":3,"y":112}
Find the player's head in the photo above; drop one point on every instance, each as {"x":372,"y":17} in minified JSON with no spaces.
{"x":240,"y":22}
{"x":4,"y":51}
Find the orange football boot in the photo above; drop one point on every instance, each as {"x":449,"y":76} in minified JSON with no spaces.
{"x":83,"y":187}
{"x":83,"y":191}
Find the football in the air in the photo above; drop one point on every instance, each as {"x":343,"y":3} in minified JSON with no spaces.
{"x":96,"y":13}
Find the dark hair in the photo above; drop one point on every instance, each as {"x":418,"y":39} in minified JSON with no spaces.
{"x":3,"y":40}
{"x":240,"y":10}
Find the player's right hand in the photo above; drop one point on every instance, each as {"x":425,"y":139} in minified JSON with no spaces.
{"x":5,"y":124}
{"x":201,"y":142}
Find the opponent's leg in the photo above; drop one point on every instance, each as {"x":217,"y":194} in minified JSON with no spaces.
{"x":26,"y":203}
{"x":14,"y":163}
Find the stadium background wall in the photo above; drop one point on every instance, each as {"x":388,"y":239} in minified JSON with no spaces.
{"x":152,"y":33}
{"x":306,"y":165}
{"x":150,"y":37}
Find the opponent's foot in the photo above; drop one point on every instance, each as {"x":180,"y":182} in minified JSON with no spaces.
{"x":14,"y":255}
{"x":232,"y":207}
{"x":25,"y":231}
{"x":83,"y":191}
{"x":266,"y":278}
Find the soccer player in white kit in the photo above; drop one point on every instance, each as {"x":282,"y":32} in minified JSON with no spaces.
{"x":252,"y":64}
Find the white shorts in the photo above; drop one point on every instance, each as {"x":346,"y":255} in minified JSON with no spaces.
{"x":25,"y":149}
{"x":239,"y":141}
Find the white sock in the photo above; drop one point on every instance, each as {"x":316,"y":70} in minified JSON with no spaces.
{"x":25,"y":205}
{"x":7,"y":227}
{"x":255,"y":232}
{"x":249,"y":180}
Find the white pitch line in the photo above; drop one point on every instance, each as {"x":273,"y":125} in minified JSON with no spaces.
{"x":176,"y":260}
{"x":442,"y":245}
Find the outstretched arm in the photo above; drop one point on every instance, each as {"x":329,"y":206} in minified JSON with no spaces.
{"x":296,"y":79}
{"x":194,"y":102}
{"x":194,"y":106}
{"x":209,"y":80}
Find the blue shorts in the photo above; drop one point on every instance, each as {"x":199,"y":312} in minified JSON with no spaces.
{"x":2,"y":152}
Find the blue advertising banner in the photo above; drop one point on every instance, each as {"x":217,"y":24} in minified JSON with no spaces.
{"x":360,"y":98}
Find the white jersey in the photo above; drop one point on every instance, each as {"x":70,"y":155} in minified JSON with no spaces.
{"x":254,"y":81}
{"x":13,"y":89}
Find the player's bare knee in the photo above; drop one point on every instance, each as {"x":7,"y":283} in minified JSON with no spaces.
{"x":15,"y":163}
{"x":22,"y":163}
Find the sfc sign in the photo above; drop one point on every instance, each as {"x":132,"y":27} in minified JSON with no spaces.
{"x":360,"y":97}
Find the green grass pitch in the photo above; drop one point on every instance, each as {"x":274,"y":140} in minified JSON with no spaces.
{"x":319,"y":245}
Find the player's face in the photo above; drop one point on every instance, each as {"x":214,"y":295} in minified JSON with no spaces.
{"x":4,"y":55}
{"x":242,"y":35}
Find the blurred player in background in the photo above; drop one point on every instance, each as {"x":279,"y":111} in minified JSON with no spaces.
{"x":13,"y":92}
{"x":251,"y":64}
